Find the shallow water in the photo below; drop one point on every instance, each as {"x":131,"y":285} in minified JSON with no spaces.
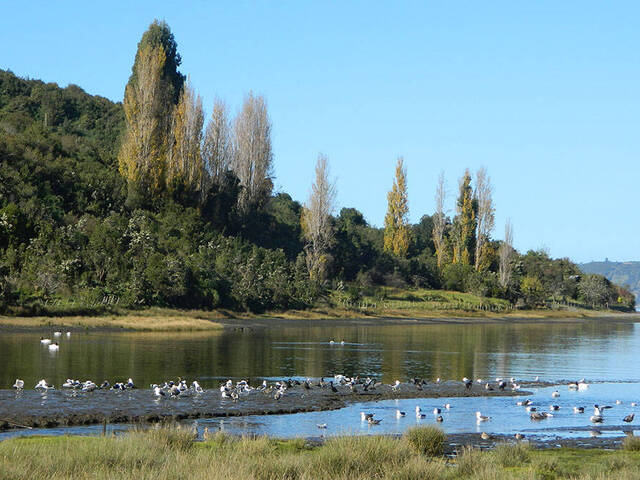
{"x":599,"y":351}
{"x":594,"y":350}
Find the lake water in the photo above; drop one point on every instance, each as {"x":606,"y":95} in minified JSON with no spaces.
{"x":598,"y":351}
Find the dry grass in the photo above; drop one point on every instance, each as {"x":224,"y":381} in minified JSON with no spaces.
{"x":149,"y":321}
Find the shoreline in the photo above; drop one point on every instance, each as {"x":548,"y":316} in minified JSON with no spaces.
{"x":171,"y":320}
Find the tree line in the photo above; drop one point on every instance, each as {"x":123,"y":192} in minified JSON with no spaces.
{"x":150,"y":203}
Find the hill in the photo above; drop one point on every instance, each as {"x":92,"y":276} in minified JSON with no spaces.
{"x":620,"y":273}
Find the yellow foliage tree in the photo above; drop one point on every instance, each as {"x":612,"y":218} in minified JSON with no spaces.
{"x":396,"y":224}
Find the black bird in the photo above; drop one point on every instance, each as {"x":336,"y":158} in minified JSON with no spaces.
{"x":333,"y":388}
{"x":629,"y":418}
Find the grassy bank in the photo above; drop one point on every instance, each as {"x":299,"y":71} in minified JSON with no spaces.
{"x":150,"y":320}
{"x":171,"y":453}
{"x":383,"y":303}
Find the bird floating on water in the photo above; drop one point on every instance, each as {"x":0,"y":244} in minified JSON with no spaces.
{"x":578,"y":409}
{"x":321,"y":425}
{"x":44,"y":385}
{"x":54,"y":347}
{"x":555,"y":394}
{"x":19,"y":385}
{"x":57,"y":334}
{"x":629,"y":418}
{"x":482,"y":418}
{"x":45,"y":341}
{"x":400,"y":414}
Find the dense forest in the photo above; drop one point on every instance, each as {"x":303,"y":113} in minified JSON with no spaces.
{"x":139,"y":203}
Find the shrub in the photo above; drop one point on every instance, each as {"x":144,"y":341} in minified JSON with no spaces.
{"x":426,"y":440}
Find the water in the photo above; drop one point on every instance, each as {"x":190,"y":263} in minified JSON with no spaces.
{"x":599,"y":351}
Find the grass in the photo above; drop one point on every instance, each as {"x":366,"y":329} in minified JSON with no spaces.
{"x":166,"y":453}
{"x":379,"y":303}
{"x":426,"y":440}
{"x":150,"y":320}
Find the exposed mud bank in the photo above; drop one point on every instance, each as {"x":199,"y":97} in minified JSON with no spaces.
{"x":55,"y":408}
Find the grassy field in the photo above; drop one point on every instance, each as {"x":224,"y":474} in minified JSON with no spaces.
{"x":171,"y":453}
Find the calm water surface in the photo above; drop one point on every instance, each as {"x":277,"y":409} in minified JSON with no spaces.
{"x":599,"y":351}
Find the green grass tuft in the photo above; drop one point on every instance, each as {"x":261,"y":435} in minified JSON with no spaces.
{"x":426,"y":440}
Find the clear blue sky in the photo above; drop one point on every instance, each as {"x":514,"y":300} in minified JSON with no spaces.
{"x":544,"y":94}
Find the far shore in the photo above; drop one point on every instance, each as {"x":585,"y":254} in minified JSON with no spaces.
{"x":173,"y":320}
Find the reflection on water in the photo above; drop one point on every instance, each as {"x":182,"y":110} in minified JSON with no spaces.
{"x":595,"y":350}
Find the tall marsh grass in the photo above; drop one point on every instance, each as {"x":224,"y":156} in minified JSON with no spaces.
{"x":167,"y":453}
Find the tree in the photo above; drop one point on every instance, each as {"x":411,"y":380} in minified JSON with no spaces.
{"x":464,"y":225}
{"x":440,"y":221}
{"x":217,"y":148}
{"x":153,"y":89}
{"x":253,"y":159}
{"x":486,"y":218}
{"x":185,"y":168}
{"x":316,"y":221}
{"x":595,"y":290}
{"x":533,"y":291}
{"x":396,"y":223}
{"x":505,"y":254}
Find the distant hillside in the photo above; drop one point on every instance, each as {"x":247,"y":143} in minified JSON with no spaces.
{"x":621,"y":273}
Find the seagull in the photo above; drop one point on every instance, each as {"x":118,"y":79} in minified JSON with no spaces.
{"x":618,"y":402}
{"x":596,"y":418}
{"x":519,"y":436}
{"x":437,"y":411}
{"x":44,"y":385}
{"x":321,"y":425}
{"x":54,"y":347}
{"x":331,"y":342}
{"x":365,"y":416}
{"x":634,"y":404}
{"x":485,"y":436}
{"x":555,"y":394}
{"x":400,"y":414}
{"x":19,"y":385}
{"x":439,"y":418}
{"x":554,"y":408}
{"x":629,"y":418}
{"x":578,"y":409}
{"x":467,"y":383}
{"x":45,"y":341}
{"x":68,"y":334}
{"x":374,"y":421}
{"x":196,"y":386}
{"x":539,"y":415}
{"x":342,"y":342}
{"x":158,"y":392}
{"x":395,"y":385}
{"x":447,"y":406}
{"x":419,"y":414}
{"x":482,"y":418}
{"x":57,"y":334}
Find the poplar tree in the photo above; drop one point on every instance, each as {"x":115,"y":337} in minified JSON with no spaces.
{"x":253,"y":159}
{"x":217,"y":148}
{"x":464,"y":225}
{"x":153,"y":89}
{"x":485,"y":219}
{"x":316,"y":221}
{"x":185,"y":168}
{"x":396,"y":223}
{"x":505,"y":253}
{"x":439,"y":221}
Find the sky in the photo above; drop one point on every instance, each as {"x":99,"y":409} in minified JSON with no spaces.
{"x":545,"y":95}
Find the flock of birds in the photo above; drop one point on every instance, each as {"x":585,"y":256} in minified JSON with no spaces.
{"x":53,"y":346}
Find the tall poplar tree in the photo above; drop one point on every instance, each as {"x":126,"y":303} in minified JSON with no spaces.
{"x":464,"y":224}
{"x":153,"y":90}
{"x":316,"y":221}
{"x":396,"y":222}
{"x":485,"y":219}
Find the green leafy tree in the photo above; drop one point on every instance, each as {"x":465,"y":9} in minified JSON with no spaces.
{"x":397,"y":232}
{"x":464,"y":224}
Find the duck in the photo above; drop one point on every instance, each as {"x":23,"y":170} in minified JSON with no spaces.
{"x":482,"y":418}
{"x":19,"y":384}
{"x":400,"y":414}
{"x":578,"y":409}
{"x":629,"y":418}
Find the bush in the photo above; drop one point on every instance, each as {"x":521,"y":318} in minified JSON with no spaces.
{"x":426,"y":440}
{"x":512,"y":455}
